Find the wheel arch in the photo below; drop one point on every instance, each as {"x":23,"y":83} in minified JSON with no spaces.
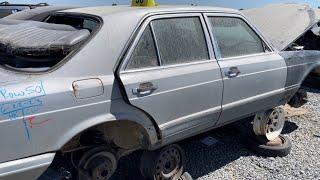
{"x":135,"y":122}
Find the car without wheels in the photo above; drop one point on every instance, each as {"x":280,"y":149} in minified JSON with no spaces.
{"x":104,"y":82}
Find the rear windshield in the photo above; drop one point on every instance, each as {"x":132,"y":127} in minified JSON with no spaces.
{"x":39,"y":46}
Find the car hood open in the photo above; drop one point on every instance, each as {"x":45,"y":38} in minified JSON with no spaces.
{"x":283,"y":24}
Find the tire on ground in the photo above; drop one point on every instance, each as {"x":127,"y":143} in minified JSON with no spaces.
{"x":270,"y":151}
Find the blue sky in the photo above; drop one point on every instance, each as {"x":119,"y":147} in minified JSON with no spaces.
{"x":224,"y":3}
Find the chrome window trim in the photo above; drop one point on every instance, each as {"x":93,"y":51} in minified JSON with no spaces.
{"x":246,"y":56}
{"x":211,"y":53}
{"x":167,"y":67}
{"x":156,"y":44}
{"x":255,"y":30}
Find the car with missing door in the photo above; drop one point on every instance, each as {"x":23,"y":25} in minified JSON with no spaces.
{"x":96,"y":84}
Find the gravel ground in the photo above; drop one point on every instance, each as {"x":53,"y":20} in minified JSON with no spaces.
{"x":229,"y":159}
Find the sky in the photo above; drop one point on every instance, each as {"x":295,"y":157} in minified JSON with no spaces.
{"x":222,"y":3}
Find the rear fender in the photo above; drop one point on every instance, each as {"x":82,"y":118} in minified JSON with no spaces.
{"x":119,"y":111}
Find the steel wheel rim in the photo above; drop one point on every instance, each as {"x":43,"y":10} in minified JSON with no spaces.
{"x":269,"y":124}
{"x":169,"y":163}
{"x":275,"y":124}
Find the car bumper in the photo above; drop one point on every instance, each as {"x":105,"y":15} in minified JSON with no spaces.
{"x":27,"y":168}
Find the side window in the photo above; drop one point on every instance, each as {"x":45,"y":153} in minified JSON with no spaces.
{"x":145,"y":53}
{"x":180,"y":40}
{"x":235,"y":38}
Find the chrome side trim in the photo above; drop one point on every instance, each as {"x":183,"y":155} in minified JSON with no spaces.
{"x":190,"y":118}
{"x":251,"y":99}
{"x":259,"y":72}
{"x":302,"y":64}
{"x":292,"y":87}
{"x":25,"y":165}
{"x":177,"y":89}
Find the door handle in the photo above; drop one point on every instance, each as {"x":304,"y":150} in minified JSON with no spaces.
{"x":233,"y":72}
{"x":145,"y":89}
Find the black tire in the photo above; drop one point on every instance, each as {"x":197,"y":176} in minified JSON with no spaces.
{"x":270,"y":151}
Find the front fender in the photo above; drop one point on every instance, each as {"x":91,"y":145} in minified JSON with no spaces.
{"x":299,"y":65}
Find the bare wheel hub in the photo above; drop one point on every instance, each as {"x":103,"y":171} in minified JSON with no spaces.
{"x":269,"y":124}
{"x":98,"y":164}
{"x":101,"y":168}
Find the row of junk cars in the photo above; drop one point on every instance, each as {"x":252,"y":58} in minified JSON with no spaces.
{"x":86,"y":86}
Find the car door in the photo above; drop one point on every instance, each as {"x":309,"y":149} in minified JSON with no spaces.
{"x":170,"y":73}
{"x":254,"y":76}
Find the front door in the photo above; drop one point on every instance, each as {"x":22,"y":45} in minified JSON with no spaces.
{"x":171,"y":74}
{"x":254,"y":77}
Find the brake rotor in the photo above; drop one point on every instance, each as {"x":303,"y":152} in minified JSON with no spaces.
{"x":98,"y":164}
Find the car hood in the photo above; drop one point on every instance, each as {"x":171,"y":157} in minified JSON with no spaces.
{"x":283,"y":24}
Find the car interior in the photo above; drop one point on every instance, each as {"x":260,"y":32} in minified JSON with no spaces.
{"x":61,"y":34}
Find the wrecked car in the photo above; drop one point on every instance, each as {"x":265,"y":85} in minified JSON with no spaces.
{"x":7,"y":8}
{"x":100,"y":83}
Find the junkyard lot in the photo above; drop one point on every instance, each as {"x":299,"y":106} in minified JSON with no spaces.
{"x":229,"y":158}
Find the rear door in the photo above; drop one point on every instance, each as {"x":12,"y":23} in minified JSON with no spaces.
{"x":170,"y":72}
{"x":254,"y":76}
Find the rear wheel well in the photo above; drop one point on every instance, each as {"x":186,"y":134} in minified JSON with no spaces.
{"x":122,"y":135}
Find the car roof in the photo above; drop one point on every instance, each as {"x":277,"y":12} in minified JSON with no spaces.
{"x":103,"y":11}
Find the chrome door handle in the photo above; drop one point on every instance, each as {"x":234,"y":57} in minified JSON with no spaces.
{"x":145,"y":89}
{"x":233,"y":72}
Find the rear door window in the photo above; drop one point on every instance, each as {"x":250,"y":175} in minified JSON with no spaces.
{"x":144,"y":54}
{"x":180,"y":40}
{"x":235,"y":38}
